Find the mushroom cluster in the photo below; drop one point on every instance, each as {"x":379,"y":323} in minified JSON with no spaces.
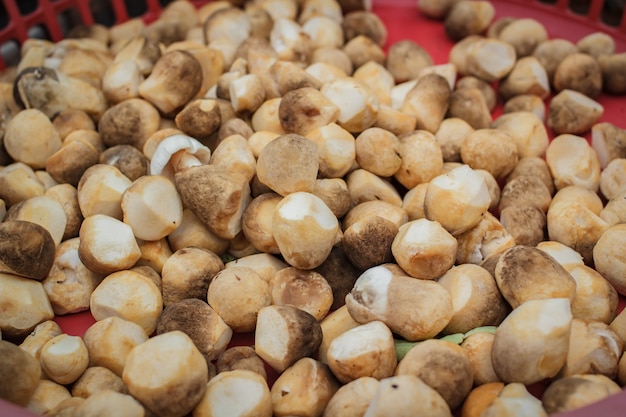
{"x":276,"y":171}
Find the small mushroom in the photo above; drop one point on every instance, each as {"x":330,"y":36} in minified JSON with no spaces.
{"x":576,"y":391}
{"x":476,"y":299}
{"x":241,"y":357}
{"x":336,"y":149}
{"x":607,"y":258}
{"x":468,"y":18}
{"x":363,"y":351}
{"x":222,"y":395}
{"x":521,"y":274}
{"x":352,"y":398}
{"x":305,"y":109}
{"x":612,"y":78}
{"x":573,"y":162}
{"x":573,"y":112}
{"x":64,"y":358}
{"x":130,"y":122}
{"x":305,"y":229}
{"x":357,"y":103}
{"x":69,"y":283}
{"x":609,"y":142}
{"x":524,"y":34}
{"x":379,"y":294}
{"x":121,"y":293}
{"x":237,"y":294}
{"x":465,"y":189}
{"x":288,"y":164}
{"x":406,"y":395}
{"x":31,"y":138}
{"x":26,"y":305}
{"x":441,"y":365}
{"x":531,"y":344}
{"x":171,"y":387}
{"x":405,"y":60}
{"x":109,"y":342}
{"x":284,"y":335}
{"x":52,"y":92}
{"x":579,"y":72}
{"x":304,"y":388}
{"x":200,"y":322}
{"x":174,"y":81}
{"x":187,"y":273}
{"x":22,"y":370}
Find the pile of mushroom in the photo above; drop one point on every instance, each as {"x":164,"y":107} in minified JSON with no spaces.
{"x":275,"y":169}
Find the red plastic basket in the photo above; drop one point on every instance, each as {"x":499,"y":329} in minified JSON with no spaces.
{"x":568,"y":19}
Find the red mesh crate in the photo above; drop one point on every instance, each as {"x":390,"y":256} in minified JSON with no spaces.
{"x":569,"y":19}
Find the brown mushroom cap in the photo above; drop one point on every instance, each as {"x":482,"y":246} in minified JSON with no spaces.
{"x":26,"y":249}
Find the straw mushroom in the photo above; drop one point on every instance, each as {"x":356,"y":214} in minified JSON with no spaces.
{"x":573,"y":112}
{"x":167,"y":388}
{"x":352,"y":398}
{"x":424,"y":249}
{"x":579,"y":72}
{"x":95,"y":379}
{"x":305,"y":229}
{"x":284,"y":335}
{"x":105,"y":401}
{"x":241,"y":357}
{"x":477,"y":347}
{"x":576,"y":391}
{"x":363,"y":351}
{"x":357,"y":103}
{"x":368,"y":242}
{"x":468,"y":18}
{"x":152,"y":207}
{"x":607,"y":258}
{"x":544,"y":326}
{"x":237,"y":294}
{"x":379,"y":294}
{"x":469,"y":105}
{"x":307,"y":290}
{"x":441,"y":365}
{"x":52,"y":92}
{"x":222,"y":396}
{"x":303,"y":389}
{"x":130,"y":122}
{"x":489,"y":60}
{"x":406,"y":395}
{"x":27,"y":249}
{"x":288,"y":164}
{"x":524,"y":34}
{"x":573,"y":162}
{"x":22,"y":370}
{"x":476,"y":299}
{"x":612,"y":78}
{"x":200,"y":322}
{"x":405,"y":60}
{"x":31,"y":138}
{"x":593,"y":348}
{"x":137,"y":290}
{"x":305,"y":109}
{"x":69,"y":283}
{"x":109,"y":341}
{"x":512,"y":398}
{"x":100,"y":191}
{"x":462,"y":188}
{"x":64,"y":358}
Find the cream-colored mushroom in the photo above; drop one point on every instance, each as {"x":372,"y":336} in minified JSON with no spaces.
{"x":137,"y":290}
{"x":463,"y":188}
{"x":357,"y":103}
{"x":109,"y":341}
{"x":31,"y":308}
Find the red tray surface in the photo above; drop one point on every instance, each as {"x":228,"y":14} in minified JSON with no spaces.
{"x":403,"y":21}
